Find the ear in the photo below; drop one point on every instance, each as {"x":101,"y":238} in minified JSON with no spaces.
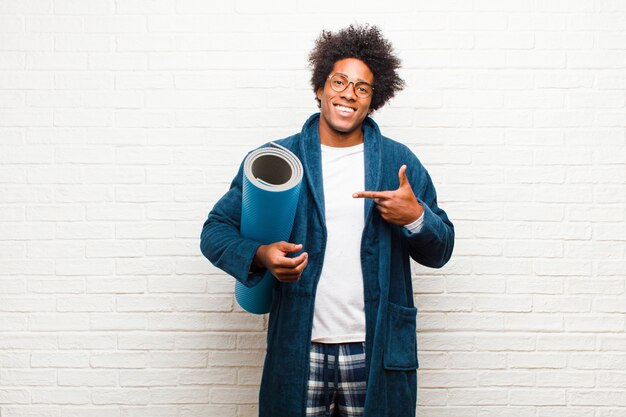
{"x":319,"y":92}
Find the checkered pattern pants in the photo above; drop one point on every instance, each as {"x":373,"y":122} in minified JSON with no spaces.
{"x":337,"y":380}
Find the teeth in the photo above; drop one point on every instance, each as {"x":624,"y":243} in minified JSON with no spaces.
{"x":342,"y":108}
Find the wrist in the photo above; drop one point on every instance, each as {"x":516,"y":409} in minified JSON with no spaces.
{"x":415,"y":225}
{"x":257,"y":263}
{"x":418,"y":214}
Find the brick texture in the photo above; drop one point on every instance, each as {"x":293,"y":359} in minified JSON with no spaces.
{"x":123,"y":122}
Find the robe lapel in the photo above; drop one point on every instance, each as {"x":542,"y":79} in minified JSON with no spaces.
{"x":311,"y":152}
{"x":372,"y":162}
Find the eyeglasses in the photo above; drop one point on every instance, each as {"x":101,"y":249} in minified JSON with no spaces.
{"x":339,"y":82}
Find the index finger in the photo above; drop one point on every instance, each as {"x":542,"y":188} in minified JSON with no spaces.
{"x":371,"y":194}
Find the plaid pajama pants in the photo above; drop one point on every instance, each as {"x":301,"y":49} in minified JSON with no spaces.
{"x":337,"y":380}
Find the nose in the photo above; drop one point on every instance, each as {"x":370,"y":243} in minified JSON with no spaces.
{"x":349,"y":92}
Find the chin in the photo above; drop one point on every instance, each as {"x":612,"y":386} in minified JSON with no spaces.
{"x":343,"y":126}
{"x":344,"y":129}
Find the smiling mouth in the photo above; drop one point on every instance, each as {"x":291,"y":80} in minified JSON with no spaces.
{"x":344,"y":109}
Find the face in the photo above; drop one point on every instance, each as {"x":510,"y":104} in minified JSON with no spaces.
{"x":343,"y":111}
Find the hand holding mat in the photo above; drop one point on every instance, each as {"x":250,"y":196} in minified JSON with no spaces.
{"x":271,"y":188}
{"x":274,"y":258}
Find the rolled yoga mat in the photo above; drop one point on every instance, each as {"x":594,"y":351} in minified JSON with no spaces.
{"x":271,"y":187}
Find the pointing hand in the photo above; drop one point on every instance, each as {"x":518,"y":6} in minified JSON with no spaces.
{"x":397,"y":206}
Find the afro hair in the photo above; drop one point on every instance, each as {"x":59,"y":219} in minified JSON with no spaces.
{"x":362,"y":42}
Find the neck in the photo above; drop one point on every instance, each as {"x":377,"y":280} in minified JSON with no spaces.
{"x":336,"y":139}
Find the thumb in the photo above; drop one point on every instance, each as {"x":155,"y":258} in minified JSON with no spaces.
{"x":289,"y":247}
{"x":402,"y":176}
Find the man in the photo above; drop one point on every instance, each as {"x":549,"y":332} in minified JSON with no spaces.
{"x":342,"y":327}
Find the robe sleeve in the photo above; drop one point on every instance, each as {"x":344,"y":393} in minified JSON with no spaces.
{"x":432,"y":245}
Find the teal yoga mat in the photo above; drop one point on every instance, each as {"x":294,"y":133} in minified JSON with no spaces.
{"x":272,"y":177}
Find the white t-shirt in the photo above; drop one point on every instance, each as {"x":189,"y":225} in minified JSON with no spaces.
{"x":339,"y":315}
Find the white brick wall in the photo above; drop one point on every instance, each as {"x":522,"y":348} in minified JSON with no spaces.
{"x":122,"y":122}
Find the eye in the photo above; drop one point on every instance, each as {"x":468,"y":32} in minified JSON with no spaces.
{"x":339,"y":81}
{"x":363,"y":89}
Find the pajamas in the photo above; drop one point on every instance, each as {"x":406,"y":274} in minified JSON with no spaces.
{"x":333,"y":393}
